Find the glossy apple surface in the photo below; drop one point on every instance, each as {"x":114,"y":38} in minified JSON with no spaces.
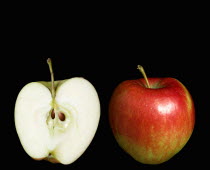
{"x":152,"y":124}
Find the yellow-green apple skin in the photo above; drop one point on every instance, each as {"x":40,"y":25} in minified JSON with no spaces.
{"x":152,"y":124}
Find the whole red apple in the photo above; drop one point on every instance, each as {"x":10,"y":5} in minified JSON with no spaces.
{"x":152,"y":119}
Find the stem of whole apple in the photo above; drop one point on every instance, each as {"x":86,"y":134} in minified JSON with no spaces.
{"x":49,"y":62}
{"x":141,"y":69}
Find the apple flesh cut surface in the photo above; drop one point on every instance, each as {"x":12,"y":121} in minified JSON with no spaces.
{"x":59,"y":129}
{"x":152,"y":123}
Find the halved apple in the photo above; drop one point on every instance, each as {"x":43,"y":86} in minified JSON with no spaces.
{"x":57,"y":120}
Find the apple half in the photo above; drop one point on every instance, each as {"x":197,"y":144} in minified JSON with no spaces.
{"x":57,"y":121}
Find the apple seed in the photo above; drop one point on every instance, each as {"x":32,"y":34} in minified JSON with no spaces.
{"x":61,"y":116}
{"x":53,"y":114}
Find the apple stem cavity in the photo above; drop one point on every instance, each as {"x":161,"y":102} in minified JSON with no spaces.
{"x":141,"y":69}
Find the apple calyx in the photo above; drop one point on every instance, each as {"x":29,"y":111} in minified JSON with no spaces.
{"x":56,"y":120}
{"x":141,"y":69}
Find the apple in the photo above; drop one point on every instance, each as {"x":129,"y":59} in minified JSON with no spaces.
{"x":151,"y":118}
{"x":57,"y":120}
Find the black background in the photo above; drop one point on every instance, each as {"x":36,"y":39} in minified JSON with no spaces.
{"x":106,"y":55}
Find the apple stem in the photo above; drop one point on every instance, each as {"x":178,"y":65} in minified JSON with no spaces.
{"x":141,"y":69}
{"x":49,"y":62}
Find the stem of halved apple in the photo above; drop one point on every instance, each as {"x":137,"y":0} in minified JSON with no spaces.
{"x":49,"y":62}
{"x":52,"y":114}
{"x":55,"y":114}
{"x":141,"y":69}
{"x":52,"y":118}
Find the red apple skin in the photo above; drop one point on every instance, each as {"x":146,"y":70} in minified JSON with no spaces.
{"x":152,"y":124}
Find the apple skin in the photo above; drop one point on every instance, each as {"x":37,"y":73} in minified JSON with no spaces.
{"x":151,"y":124}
